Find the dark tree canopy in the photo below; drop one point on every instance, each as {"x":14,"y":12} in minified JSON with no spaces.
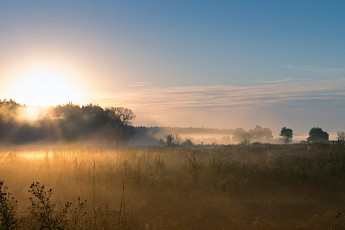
{"x":286,"y":134}
{"x":170,"y":140}
{"x":317,"y":135}
{"x":187,"y":143}
{"x":67,"y":122}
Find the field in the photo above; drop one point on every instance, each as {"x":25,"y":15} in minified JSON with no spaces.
{"x":206,"y":187}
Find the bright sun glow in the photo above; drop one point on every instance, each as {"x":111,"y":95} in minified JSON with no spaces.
{"x":45,"y":88}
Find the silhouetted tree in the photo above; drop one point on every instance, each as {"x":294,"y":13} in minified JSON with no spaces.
{"x":286,"y":134}
{"x":66,"y":122}
{"x":125,"y":116}
{"x":169,"y":140}
{"x":120,"y":120}
{"x":317,"y":135}
{"x":187,"y":143}
{"x":161,"y":142}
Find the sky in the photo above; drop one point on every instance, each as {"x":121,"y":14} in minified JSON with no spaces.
{"x":222,"y":64}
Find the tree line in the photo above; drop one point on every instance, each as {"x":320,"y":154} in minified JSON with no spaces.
{"x":68,"y":122}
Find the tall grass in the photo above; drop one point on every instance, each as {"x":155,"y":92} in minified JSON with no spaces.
{"x":232,"y":187}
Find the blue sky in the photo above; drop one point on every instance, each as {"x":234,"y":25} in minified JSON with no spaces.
{"x":120,"y":49}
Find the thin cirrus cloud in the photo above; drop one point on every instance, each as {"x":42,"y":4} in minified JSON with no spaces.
{"x":299,"y":104}
{"x":218,"y":96}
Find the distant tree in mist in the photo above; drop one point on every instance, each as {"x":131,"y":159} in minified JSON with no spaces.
{"x":172,"y":140}
{"x":161,"y":142}
{"x":241,"y":136}
{"x":286,"y":134}
{"x":258,"y":134}
{"x":169,"y":140}
{"x":9,"y":114}
{"x":187,"y":143}
{"x":317,"y":135}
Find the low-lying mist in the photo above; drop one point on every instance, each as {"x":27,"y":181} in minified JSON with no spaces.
{"x":20,"y":124}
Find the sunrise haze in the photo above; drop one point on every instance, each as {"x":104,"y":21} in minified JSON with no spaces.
{"x":222,"y":64}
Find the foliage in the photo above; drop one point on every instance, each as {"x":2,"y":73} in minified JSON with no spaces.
{"x":258,"y":134}
{"x":286,"y":134}
{"x":8,"y":204}
{"x":161,"y":142}
{"x":78,"y":215}
{"x":171,"y":140}
{"x":241,"y":136}
{"x":45,"y":211}
{"x":317,"y":135}
{"x":187,"y":143}
{"x":67,"y":122}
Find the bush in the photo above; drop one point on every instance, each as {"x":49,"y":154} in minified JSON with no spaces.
{"x":8,"y":206}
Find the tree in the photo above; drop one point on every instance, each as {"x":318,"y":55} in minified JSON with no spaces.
{"x":317,"y":135}
{"x":259,"y":134}
{"x":161,"y":142}
{"x":187,"y":143}
{"x":125,"y":116}
{"x":169,"y":140}
{"x":286,"y":134}
{"x":121,"y":120}
{"x":241,"y":136}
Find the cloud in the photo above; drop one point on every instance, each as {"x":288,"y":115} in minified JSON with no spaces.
{"x":231,"y":96}
{"x":139,"y":84}
{"x":299,"y":103}
{"x":278,"y":81}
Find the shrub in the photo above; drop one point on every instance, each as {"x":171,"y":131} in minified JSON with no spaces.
{"x":8,"y":206}
{"x":45,"y":211}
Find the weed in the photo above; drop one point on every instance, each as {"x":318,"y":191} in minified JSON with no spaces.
{"x":78,"y":215}
{"x":193,"y":167}
{"x":45,"y":211}
{"x":8,"y":204}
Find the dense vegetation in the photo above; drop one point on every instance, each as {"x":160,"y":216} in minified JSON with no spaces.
{"x":67,"y":122}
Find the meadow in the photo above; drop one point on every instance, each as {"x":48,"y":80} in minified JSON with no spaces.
{"x":205,"y":187}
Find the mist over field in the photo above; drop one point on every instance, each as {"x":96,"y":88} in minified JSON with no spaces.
{"x":90,"y":123}
{"x":172,"y":115}
{"x":87,"y":167}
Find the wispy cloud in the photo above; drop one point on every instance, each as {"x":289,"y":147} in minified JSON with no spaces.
{"x":218,"y":96}
{"x":139,"y":84}
{"x":301,"y":104}
{"x":278,"y":81}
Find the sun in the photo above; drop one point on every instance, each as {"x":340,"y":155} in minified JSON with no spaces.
{"x":45,"y":88}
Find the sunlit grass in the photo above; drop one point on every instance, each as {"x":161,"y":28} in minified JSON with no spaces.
{"x":255,"y":187}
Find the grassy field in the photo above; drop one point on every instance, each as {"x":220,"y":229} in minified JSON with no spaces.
{"x":221,"y":187}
